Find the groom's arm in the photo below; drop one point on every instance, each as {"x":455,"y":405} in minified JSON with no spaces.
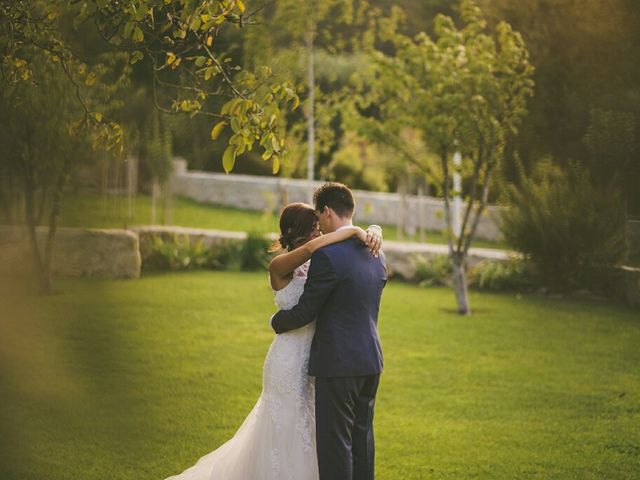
{"x":321,"y":280}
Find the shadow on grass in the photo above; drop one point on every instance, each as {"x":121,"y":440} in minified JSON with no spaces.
{"x":65,"y":379}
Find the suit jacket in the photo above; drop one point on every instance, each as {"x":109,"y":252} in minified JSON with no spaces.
{"x":342,"y":293}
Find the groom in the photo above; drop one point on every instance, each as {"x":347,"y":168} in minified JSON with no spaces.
{"x":342,"y":292}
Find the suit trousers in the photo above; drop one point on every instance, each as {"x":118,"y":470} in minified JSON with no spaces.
{"x":344,"y":426}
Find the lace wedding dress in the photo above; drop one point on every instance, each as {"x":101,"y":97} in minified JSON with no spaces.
{"x":277,"y":439}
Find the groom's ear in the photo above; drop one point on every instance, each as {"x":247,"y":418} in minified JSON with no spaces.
{"x":329,"y":211}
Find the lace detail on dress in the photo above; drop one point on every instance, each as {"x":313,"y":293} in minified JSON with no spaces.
{"x":285,"y":374}
{"x":287,"y":297}
{"x":277,"y":439}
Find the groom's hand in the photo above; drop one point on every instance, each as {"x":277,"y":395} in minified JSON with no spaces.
{"x":271,"y":323}
{"x":277,"y":327}
{"x":321,"y":281}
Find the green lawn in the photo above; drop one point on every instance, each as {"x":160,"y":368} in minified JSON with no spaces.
{"x":137,"y":379}
{"x":92,"y":211}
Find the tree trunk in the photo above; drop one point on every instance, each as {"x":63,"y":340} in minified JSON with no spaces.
{"x":155,"y":188}
{"x":447,"y":205}
{"x":29,"y":211}
{"x":132,"y":187}
{"x":460,"y":284}
{"x":311,"y":131}
{"x":5,"y":200}
{"x":167,"y":212}
{"x":457,"y":257}
{"x":104,"y":184}
{"x":45,"y":276}
{"x":402,"y":209}
{"x":421,"y":227}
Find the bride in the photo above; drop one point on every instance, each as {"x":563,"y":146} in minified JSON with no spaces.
{"x":277,"y":439}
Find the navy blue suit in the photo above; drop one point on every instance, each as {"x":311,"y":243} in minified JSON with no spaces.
{"x":342,"y":293}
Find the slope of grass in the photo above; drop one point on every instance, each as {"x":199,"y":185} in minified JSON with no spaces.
{"x":93,"y":211}
{"x":137,"y":379}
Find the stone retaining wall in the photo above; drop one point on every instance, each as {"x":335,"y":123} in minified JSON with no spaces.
{"x":77,"y":252}
{"x":271,"y":193}
{"x":209,"y":238}
{"x":628,"y":284}
{"x":402,"y":257}
{"x":120,"y":253}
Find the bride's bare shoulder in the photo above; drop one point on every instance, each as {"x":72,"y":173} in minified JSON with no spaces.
{"x":278,"y":283}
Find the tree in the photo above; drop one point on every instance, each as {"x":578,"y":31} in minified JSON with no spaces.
{"x":157,"y":152}
{"x":317,"y":46}
{"x":40,"y":54}
{"x":180,"y":38}
{"x":587,"y":86}
{"x":572,"y":228}
{"x":45,"y":132}
{"x":466,"y":92}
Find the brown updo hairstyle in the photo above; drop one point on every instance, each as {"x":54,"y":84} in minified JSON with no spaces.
{"x":296,"y":224}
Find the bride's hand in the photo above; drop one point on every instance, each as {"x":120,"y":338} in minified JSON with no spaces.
{"x":373,"y":239}
{"x":361,"y":234}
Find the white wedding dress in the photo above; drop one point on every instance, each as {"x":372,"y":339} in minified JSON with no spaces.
{"x":277,"y":439}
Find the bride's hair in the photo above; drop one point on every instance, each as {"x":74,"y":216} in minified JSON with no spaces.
{"x":296,"y":223}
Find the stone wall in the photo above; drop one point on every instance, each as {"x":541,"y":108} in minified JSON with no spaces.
{"x":77,"y":252}
{"x":628,"y":285}
{"x":120,"y":253}
{"x":209,"y":238}
{"x":271,"y":193}
{"x":402,"y":257}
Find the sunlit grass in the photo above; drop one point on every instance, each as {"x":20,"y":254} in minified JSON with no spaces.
{"x":96,"y":212}
{"x":136,"y":379}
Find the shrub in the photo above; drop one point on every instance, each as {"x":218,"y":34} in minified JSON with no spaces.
{"x":572,"y":230}
{"x":254,"y":254}
{"x":177,"y":252}
{"x":435,"y":270}
{"x":513,"y":274}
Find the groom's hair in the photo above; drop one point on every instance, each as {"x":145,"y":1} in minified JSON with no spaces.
{"x":336,"y":196}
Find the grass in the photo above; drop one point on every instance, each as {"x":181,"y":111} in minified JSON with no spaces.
{"x":137,"y":379}
{"x":91,"y":211}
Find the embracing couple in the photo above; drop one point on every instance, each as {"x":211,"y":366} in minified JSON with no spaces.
{"x":314,"y":418}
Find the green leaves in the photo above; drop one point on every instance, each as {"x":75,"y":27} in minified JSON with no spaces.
{"x":137,"y":35}
{"x":135,"y":57}
{"x":217,"y":129}
{"x":179,"y":39}
{"x":275,"y":166}
{"x":90,"y":80}
{"x":229,"y":158}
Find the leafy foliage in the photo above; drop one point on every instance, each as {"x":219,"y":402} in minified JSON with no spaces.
{"x":317,"y":46}
{"x":465,"y":90}
{"x":514,"y":274}
{"x":433,"y":271}
{"x":178,"y":252}
{"x":570,"y":228}
{"x":587,"y":104}
{"x":254,"y":254}
{"x":156,"y":148}
{"x":48,"y":129}
{"x":179,"y":39}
